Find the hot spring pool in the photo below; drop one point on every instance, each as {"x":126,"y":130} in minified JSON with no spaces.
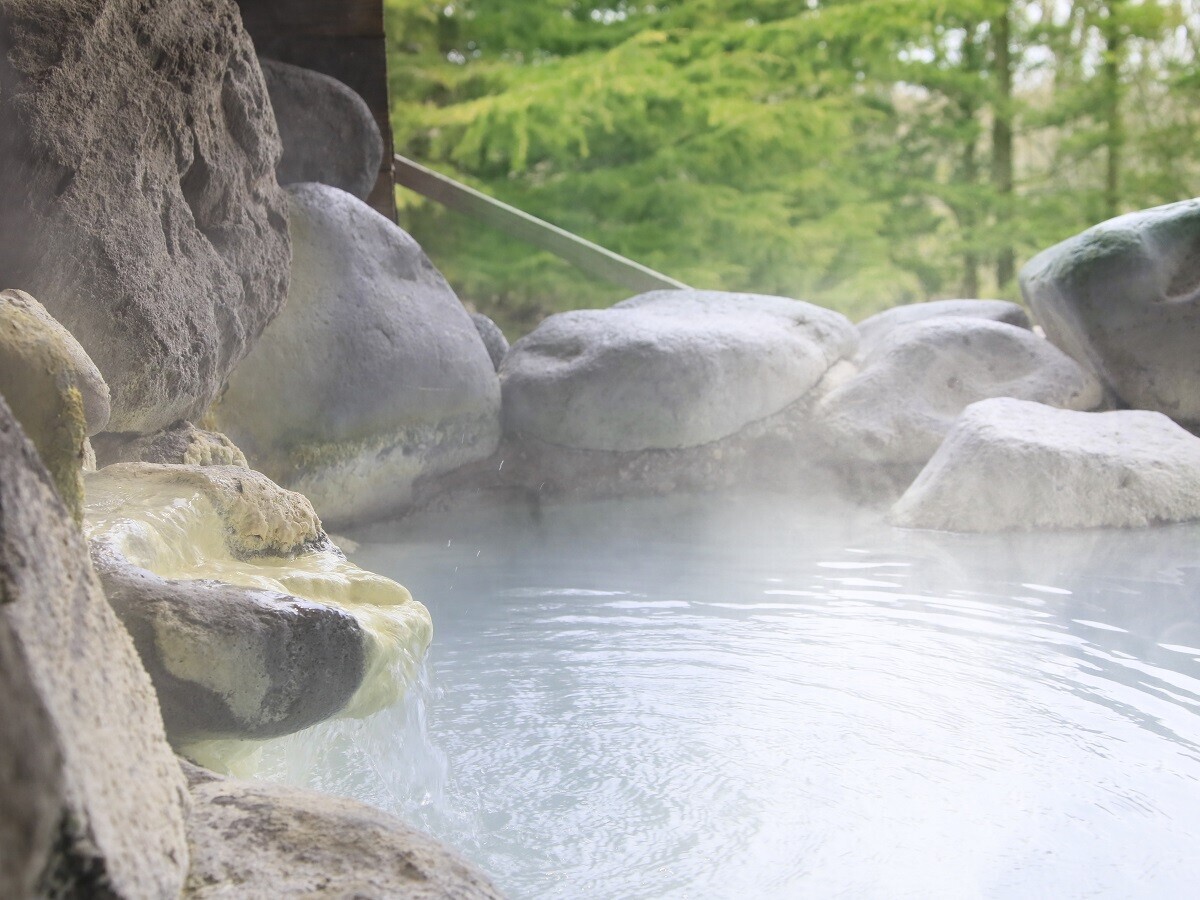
{"x":753,"y":697}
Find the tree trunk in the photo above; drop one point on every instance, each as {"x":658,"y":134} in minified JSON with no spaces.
{"x":1002,"y":142}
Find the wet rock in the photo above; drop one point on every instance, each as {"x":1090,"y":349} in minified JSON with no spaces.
{"x":373,"y":377}
{"x":493,"y":338}
{"x":668,"y":369}
{"x":328,"y":132}
{"x":183,"y":444}
{"x":258,"y":840}
{"x":138,"y":198}
{"x":896,"y":410}
{"x":116,"y":792}
{"x":872,"y":330}
{"x":49,"y":383}
{"x":249,"y":621}
{"x":1015,"y":465}
{"x":1124,"y":299}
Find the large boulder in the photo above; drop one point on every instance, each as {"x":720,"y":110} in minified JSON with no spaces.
{"x":1014,"y":465}
{"x":1124,"y":298}
{"x":251,"y":623}
{"x":910,"y":390}
{"x":138,"y":198}
{"x":328,"y":132}
{"x":374,"y":375}
{"x":94,"y":766}
{"x":260,"y":840}
{"x":667,"y":369}
{"x":873,"y":330}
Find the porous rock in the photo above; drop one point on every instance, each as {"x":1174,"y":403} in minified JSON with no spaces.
{"x":910,"y":390}
{"x":119,"y":798}
{"x":230,"y":661}
{"x":374,"y":375}
{"x":260,"y":840}
{"x":1015,"y":465}
{"x":183,"y":444}
{"x":138,"y":199}
{"x":328,"y":132}
{"x":1123,"y":298}
{"x":874,"y":329}
{"x":493,"y":338}
{"x":667,"y":369}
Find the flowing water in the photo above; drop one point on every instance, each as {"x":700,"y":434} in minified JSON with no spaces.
{"x":761,"y":697}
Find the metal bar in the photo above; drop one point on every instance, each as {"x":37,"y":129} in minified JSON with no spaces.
{"x":591,"y":258}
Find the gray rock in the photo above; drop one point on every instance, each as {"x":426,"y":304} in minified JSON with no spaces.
{"x":183,"y":444}
{"x":234,"y":662}
{"x":493,"y":338}
{"x":328,"y":132}
{"x":138,"y":198}
{"x":265,"y":841}
{"x":1014,"y":465}
{"x":874,"y":329}
{"x":374,"y":375}
{"x":118,"y":825}
{"x":1124,"y":298}
{"x":667,"y":369}
{"x":84,"y":374}
{"x":910,"y":390}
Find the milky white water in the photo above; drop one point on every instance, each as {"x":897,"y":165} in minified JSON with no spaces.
{"x":757,"y":697}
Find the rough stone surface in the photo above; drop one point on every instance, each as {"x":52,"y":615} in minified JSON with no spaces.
{"x":328,"y":132}
{"x":260,"y":841}
{"x":667,"y":369}
{"x":898,"y":408}
{"x":40,"y":378}
{"x":183,"y":444}
{"x":872,"y":330}
{"x":493,"y":338}
{"x":138,"y":199}
{"x":234,"y":662}
{"x":1014,"y":465}
{"x":1124,"y":298}
{"x":372,"y":377}
{"x":118,"y":829}
{"x":18,"y":305}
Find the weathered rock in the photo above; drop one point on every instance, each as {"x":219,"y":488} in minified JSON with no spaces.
{"x":372,"y":377}
{"x":493,"y":338}
{"x":1124,"y":298}
{"x":258,"y":840}
{"x":250,"y":623}
{"x":1014,"y":465}
{"x":328,"y":132}
{"x":872,"y":330}
{"x":138,"y":199}
{"x":44,"y":376}
{"x":183,"y":444}
{"x":667,"y":369}
{"x":898,"y":408}
{"x":19,"y":310}
{"x":118,"y":825}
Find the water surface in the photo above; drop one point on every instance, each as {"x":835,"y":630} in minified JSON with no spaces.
{"x":758,"y":696}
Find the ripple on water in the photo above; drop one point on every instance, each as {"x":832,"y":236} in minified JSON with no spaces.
{"x":714,"y":697}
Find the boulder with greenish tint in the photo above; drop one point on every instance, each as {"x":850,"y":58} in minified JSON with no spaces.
{"x":250,"y":622}
{"x":493,"y":338}
{"x":183,"y":444}
{"x":1011,"y":465}
{"x":667,"y":369}
{"x":374,"y":375}
{"x":260,"y":840}
{"x":138,"y":199}
{"x":105,"y":774}
{"x":1124,"y":299}
{"x":872,"y":330}
{"x":896,"y":410}
{"x":328,"y":132}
